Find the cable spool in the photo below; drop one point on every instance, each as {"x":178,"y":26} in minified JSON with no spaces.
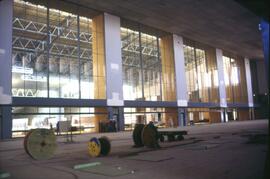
{"x":99,"y":146}
{"x":137,"y":135}
{"x":40,"y":144}
{"x":150,"y":136}
{"x":94,"y":147}
{"x":25,"y":142}
{"x":105,"y":145}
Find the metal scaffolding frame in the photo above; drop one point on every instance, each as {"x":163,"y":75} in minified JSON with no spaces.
{"x":57,"y":49}
{"x":59,"y":32}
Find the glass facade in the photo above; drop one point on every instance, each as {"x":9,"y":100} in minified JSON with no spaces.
{"x":141,"y":63}
{"x":57,"y":54}
{"x":52,"y":53}
{"x":201,"y":73}
{"x":29,"y":60}
{"x":235,"y":79}
{"x":203,"y":115}
{"x":27,"y":118}
{"x":145,"y":115}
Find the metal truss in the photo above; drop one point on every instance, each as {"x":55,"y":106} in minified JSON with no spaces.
{"x":57,"y":49}
{"x":28,"y":44}
{"x":131,"y":47}
{"x":131,"y":62}
{"x":63,"y":32}
{"x":29,"y":26}
{"x":25,"y":92}
{"x":25,"y":25}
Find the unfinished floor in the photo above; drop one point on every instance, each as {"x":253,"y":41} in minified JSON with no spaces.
{"x":226,"y":150}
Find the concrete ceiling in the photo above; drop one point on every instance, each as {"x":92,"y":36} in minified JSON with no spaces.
{"x":220,"y":23}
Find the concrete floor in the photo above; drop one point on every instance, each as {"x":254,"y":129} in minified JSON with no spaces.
{"x":232,"y":150}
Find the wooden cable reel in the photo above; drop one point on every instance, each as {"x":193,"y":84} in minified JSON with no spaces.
{"x":40,"y":144}
{"x":150,"y":136}
{"x":145,"y":135}
{"x":137,"y":135}
{"x":99,"y":146}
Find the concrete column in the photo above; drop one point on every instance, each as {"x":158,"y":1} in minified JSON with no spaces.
{"x":249,"y":83}
{"x":6,"y":122}
{"x":110,"y":113}
{"x":121,"y":122}
{"x":179,"y":60}
{"x":6,"y":14}
{"x":182,"y":116}
{"x":180,"y":78}
{"x":116,"y":113}
{"x":221,"y":85}
{"x":113,"y":58}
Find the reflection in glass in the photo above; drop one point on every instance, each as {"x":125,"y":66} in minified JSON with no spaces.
{"x":235,"y":80}
{"x":27,"y":118}
{"x":54,"y":61}
{"x":29,"y":64}
{"x":201,"y":73}
{"x":141,"y":65}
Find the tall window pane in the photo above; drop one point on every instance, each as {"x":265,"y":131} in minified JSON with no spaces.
{"x":141,"y":63}
{"x":235,"y":79}
{"x":29,"y":60}
{"x":191,"y":74}
{"x":132,"y":73}
{"x":151,"y":67}
{"x":63,"y":51}
{"x":201,"y":73}
{"x":86,"y":88}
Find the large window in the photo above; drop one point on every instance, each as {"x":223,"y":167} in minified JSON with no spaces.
{"x":135,"y":116}
{"x":201,"y":73}
{"x":27,"y":118}
{"x":235,"y":79}
{"x":52,"y":53}
{"x":29,"y":57}
{"x":141,"y":63}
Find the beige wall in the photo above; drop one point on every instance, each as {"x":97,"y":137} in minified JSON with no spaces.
{"x":99,"y":67}
{"x":168,"y":69}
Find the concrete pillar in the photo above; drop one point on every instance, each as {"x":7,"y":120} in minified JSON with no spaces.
{"x":222,"y":87}
{"x":113,"y":59}
{"x":6,"y":122}
{"x":110,"y":113}
{"x":6,"y":14}
{"x":179,"y":60}
{"x":249,"y":88}
{"x":121,"y":122}
{"x":180,"y":78}
{"x":117,"y":114}
{"x":182,"y":115}
{"x":107,"y":62}
{"x":249,"y":83}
